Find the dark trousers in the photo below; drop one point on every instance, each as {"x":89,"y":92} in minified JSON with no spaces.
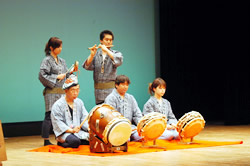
{"x":73,"y":141}
{"x":47,"y":125}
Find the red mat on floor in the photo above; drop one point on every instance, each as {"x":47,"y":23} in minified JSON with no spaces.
{"x":134,"y":147}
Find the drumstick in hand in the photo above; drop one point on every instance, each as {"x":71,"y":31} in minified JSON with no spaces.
{"x":83,"y":122}
{"x":171,"y":126}
{"x":174,"y":125}
{"x":73,"y":68}
{"x":68,"y":71}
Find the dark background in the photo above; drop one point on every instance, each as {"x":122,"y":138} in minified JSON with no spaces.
{"x":204,"y":58}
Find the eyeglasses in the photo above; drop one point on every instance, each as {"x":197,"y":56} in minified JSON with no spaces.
{"x":75,"y":90}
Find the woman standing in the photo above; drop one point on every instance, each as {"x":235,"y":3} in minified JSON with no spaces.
{"x":53,"y":71}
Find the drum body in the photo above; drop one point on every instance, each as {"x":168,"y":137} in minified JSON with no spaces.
{"x":109,"y":125}
{"x":152,"y":126}
{"x":190,"y":124}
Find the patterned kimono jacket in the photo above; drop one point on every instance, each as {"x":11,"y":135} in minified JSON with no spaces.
{"x":128,"y":106}
{"x":62,"y":120}
{"x":49,"y":70}
{"x":108,"y":74}
{"x":152,"y":105}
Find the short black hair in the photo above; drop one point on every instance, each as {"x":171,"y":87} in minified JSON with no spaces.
{"x":105,"y":32}
{"x":122,"y":79}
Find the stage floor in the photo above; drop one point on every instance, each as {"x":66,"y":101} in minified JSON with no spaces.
{"x":237,"y":155}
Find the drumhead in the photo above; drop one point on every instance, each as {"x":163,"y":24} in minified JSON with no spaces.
{"x":119,"y":133}
{"x":192,"y":128}
{"x":187,"y":119}
{"x":153,"y":129}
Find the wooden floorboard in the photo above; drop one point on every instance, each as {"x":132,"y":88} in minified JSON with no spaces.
{"x":238,"y":155}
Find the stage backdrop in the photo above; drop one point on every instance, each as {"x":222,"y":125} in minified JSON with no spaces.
{"x":26,"y":26}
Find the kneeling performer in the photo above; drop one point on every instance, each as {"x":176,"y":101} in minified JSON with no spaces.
{"x":67,"y":114}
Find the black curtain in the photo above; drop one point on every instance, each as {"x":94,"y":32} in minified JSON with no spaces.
{"x":204,"y":58}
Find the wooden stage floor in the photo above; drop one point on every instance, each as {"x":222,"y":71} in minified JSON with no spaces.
{"x":237,"y":155}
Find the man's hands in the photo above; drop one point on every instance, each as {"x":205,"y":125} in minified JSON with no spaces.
{"x":93,"y":50}
{"x":74,"y":130}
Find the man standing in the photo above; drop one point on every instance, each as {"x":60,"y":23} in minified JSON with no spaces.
{"x":103,"y":63}
{"x":67,"y":114}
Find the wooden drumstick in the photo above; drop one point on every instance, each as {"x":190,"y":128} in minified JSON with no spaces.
{"x":134,"y":129}
{"x":83,"y":122}
{"x":72,"y":68}
{"x":173,"y":125}
{"x":68,"y":71}
{"x":76,"y":66}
